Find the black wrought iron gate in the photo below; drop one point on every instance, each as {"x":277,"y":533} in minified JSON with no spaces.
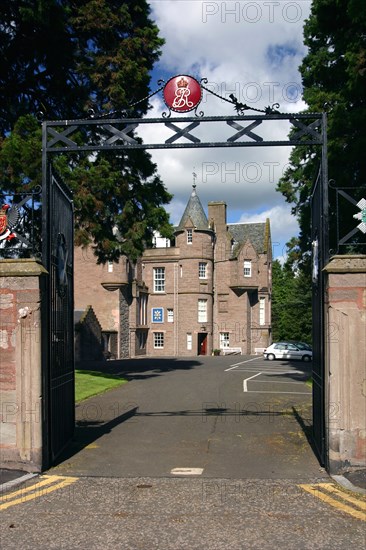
{"x":318,"y":329}
{"x":111,"y":133}
{"x":58,"y":316}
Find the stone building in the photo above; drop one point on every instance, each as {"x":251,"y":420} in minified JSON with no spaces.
{"x":210,"y":288}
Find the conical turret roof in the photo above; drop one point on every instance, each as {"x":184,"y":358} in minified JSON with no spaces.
{"x":194,"y":213}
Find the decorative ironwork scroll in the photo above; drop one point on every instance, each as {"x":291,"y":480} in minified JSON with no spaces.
{"x":182,"y":94}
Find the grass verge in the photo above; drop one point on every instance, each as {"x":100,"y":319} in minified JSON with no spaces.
{"x":309,"y":382}
{"x":89,"y":383}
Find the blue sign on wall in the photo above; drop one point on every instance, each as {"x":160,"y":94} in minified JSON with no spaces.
{"x":157,"y":315}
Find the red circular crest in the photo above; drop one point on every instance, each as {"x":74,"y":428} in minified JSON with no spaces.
{"x":182,"y":93}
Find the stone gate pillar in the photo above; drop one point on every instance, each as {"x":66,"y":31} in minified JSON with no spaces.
{"x":21,"y":392}
{"x":346,"y":362}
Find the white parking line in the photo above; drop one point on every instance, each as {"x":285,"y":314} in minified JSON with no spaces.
{"x":186,"y":471}
{"x":276,"y":392}
{"x":276,"y":372}
{"x":280,"y":372}
{"x":245,"y":387}
{"x":272,"y":382}
{"x":242,"y":363}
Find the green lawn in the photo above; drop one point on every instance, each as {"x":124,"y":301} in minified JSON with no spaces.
{"x":89,"y":383}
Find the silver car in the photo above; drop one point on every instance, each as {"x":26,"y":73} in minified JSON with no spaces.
{"x":287,"y":350}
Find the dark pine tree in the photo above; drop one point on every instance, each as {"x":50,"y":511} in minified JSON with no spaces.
{"x":63,"y":58}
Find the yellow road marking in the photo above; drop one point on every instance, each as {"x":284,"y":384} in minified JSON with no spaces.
{"x":331,"y":489}
{"x":317,"y":491}
{"x":48,"y":485}
{"x":92,"y":446}
{"x":46,"y":481}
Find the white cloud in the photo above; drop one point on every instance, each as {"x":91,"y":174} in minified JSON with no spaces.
{"x":251,"y":49}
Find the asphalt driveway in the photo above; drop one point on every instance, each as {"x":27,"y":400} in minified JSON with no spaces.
{"x":234,"y":417}
{"x":194,"y":453}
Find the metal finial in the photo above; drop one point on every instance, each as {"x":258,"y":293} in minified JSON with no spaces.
{"x":194,"y":185}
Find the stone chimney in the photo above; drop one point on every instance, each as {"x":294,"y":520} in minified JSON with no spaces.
{"x":217,"y":217}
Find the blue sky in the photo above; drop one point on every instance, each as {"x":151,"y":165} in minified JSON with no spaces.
{"x":252,"y":49}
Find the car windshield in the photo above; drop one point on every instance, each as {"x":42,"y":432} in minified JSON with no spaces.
{"x":302,"y":345}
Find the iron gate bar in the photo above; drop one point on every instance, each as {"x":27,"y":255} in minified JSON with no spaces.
{"x":204,"y":145}
{"x":60,"y":143}
{"x":57,"y":315}
{"x":344,"y":241}
{"x":120,"y":134}
{"x":182,"y":132}
{"x":305,"y":129}
{"x":62,"y":136}
{"x":348,"y":236}
{"x":244,"y":131}
{"x":318,"y":369}
{"x":346,"y":196}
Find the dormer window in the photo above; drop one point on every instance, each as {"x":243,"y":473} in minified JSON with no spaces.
{"x":189,"y":236}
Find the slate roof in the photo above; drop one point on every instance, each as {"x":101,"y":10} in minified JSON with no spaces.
{"x":256,"y":233}
{"x":194,"y":211}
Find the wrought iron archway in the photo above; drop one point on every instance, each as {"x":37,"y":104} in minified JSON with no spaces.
{"x":116,"y":131}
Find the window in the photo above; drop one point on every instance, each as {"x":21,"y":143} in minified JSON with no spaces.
{"x":247,"y":268}
{"x":280,"y":346}
{"x":106,"y":341}
{"x":189,"y":236}
{"x":233,"y":245}
{"x":202,"y":270}
{"x":141,"y":339}
{"x":110,"y":267}
{"x":158,"y":340}
{"x":142,"y":310}
{"x":202,"y":311}
{"x":159,"y":279}
{"x":170,"y":315}
{"x":189,"y":340}
{"x":224,"y":340}
{"x":262,"y":311}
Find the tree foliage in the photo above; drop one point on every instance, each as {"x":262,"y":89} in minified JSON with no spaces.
{"x":291,"y":304}
{"x":334,"y":79}
{"x":63,"y":58}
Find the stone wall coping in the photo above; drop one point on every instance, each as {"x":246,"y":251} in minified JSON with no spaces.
{"x":347,"y":263}
{"x":21,"y":268}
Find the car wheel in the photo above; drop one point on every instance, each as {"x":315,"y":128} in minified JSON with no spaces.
{"x":306,"y":358}
{"x":270,"y":357}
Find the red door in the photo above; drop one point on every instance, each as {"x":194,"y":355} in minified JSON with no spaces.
{"x":202,"y":343}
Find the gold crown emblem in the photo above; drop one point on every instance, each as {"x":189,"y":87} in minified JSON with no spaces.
{"x":182,"y":83}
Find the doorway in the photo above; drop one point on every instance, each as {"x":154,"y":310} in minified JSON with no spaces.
{"x":202,"y":343}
